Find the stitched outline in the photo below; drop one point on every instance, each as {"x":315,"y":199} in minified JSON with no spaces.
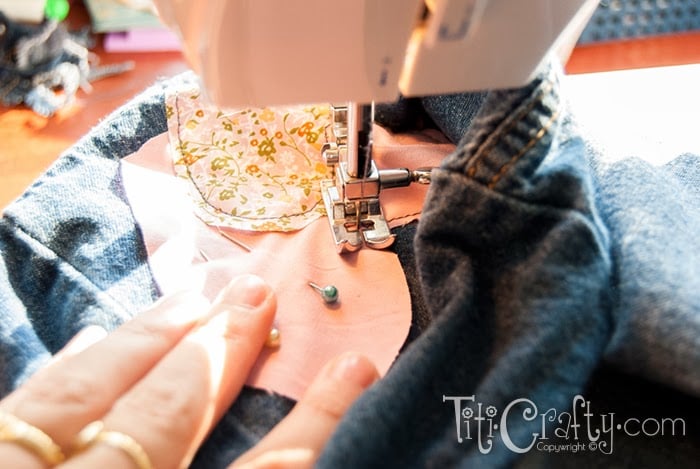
{"x":407,"y":215}
{"x":216,"y":209}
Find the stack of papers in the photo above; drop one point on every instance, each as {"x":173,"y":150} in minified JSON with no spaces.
{"x":130,"y":26}
{"x":115,"y":15}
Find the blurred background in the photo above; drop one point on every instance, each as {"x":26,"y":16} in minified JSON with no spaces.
{"x":110,"y":50}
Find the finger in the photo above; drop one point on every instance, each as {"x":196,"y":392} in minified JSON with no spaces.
{"x":79,"y":388}
{"x":19,"y":456}
{"x":298,"y":440}
{"x":81,"y":341}
{"x":172,"y":409}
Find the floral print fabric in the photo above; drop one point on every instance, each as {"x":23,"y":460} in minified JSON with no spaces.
{"x":256,"y":169}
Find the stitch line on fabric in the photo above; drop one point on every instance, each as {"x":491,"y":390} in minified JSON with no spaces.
{"x":407,"y":215}
{"x":205,"y":199}
{"x":180,"y":144}
{"x":243,"y":217}
{"x":496,"y":137}
{"x":540,"y":134}
{"x":486,"y":149}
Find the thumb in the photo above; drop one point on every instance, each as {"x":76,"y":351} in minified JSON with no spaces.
{"x":297,"y":441}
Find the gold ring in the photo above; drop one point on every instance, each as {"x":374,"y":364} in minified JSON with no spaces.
{"x":15,"y":430}
{"x":94,"y":433}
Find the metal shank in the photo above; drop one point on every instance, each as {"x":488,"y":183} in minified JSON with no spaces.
{"x":351,"y":199}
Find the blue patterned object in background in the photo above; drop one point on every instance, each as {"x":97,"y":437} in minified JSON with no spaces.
{"x":626,"y":19}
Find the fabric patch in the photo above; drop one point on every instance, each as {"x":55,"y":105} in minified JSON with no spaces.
{"x":254,"y":169}
{"x":185,"y":253}
{"x":373,"y":315}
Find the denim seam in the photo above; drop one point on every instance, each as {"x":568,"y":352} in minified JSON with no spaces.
{"x":496,"y":135}
{"x":482,"y":153}
{"x":514,"y":159}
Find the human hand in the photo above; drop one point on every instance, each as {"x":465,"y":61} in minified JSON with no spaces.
{"x":161,"y":381}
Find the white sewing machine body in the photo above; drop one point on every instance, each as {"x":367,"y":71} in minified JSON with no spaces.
{"x":274,"y":52}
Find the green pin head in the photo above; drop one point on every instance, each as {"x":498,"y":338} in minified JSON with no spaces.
{"x":329,"y":294}
{"x":56,"y":9}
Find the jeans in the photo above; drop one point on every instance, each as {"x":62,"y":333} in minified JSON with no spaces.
{"x":548,"y":274}
{"x":538,"y":272}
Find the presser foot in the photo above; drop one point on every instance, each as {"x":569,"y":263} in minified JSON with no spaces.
{"x":355,"y":223}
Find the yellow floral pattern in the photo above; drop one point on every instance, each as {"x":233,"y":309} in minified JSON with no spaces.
{"x":255,"y":169}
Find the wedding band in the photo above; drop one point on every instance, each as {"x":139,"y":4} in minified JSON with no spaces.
{"x":94,"y":433}
{"x":15,"y":430}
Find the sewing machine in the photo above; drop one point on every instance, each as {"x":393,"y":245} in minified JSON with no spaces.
{"x":357,"y":52}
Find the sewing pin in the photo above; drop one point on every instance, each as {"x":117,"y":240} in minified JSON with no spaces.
{"x":238,"y":243}
{"x":204,"y":256}
{"x":273,"y":338}
{"x":329,"y":293}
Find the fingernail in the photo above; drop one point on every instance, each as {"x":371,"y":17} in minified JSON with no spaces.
{"x":354,"y":368}
{"x":246,"y":290}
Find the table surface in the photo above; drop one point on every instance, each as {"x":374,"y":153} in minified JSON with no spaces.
{"x":30,"y":143}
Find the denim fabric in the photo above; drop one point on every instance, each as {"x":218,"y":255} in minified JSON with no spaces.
{"x":547,"y":271}
{"x":71,"y":252}
{"x":72,"y":255}
{"x":654,"y":216}
{"x":452,"y":114}
{"x":538,"y":271}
